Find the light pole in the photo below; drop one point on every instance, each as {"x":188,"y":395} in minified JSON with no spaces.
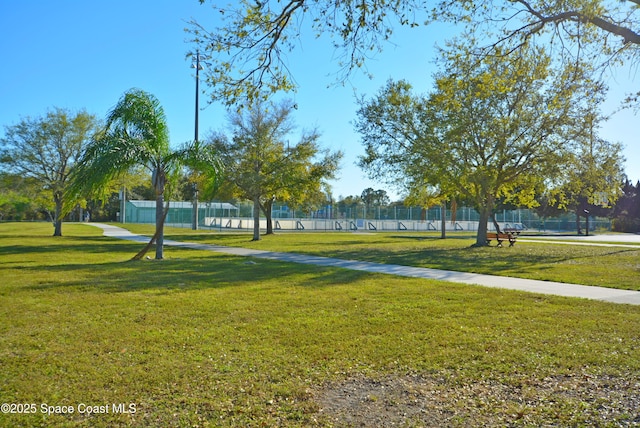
{"x":198,"y":66}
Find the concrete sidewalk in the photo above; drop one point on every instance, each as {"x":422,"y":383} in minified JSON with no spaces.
{"x":520,"y":284}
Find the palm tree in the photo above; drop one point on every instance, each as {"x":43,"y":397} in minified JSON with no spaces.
{"x":136,"y":134}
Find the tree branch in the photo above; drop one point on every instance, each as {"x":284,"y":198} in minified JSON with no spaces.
{"x":628,"y":35}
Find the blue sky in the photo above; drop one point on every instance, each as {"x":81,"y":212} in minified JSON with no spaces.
{"x":85,"y":54}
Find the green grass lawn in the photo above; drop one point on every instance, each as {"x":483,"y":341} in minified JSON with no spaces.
{"x":204,"y":339}
{"x":615,"y":267}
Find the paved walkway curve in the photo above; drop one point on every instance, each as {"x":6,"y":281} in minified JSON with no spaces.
{"x":544,"y":287}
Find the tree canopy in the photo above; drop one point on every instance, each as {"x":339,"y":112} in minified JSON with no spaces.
{"x":593,"y":175}
{"x":375,"y":197}
{"x":494,"y":127}
{"x":262,"y":165}
{"x":24,"y":198}
{"x":604,"y":29}
{"x":627,"y":209}
{"x":249,"y":48}
{"x":45,"y":149}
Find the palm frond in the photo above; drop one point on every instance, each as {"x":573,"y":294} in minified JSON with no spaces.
{"x":135,"y":133}
{"x":202,"y":159}
{"x":138,"y":116}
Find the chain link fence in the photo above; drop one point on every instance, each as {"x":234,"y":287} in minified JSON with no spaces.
{"x":238,"y":215}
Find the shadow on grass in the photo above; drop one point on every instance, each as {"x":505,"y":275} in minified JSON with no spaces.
{"x":587,"y":265}
{"x":486,"y":259}
{"x":100,"y":262}
{"x":457,"y":236}
{"x":95,"y":245}
{"x":243,"y":239}
{"x":457,"y":259}
{"x":64,"y":252}
{"x":183,"y":274}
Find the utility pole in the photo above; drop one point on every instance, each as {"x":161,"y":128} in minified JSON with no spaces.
{"x":198,"y":67}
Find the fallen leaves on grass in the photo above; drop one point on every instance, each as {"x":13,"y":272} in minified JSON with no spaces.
{"x":446,"y":400}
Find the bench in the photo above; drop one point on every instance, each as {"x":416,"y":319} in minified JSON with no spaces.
{"x":507,"y":236}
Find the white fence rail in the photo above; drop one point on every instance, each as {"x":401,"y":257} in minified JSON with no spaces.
{"x":345,"y":225}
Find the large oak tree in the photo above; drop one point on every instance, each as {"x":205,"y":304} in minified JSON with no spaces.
{"x":491,"y":129}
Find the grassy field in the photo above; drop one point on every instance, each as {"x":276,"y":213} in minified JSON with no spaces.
{"x":615,"y":267}
{"x":203,"y":339}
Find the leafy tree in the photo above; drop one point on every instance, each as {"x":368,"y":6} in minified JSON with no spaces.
{"x":590,"y":29}
{"x":45,"y":149}
{"x":602,"y":33}
{"x":136,"y":135}
{"x":249,"y":49}
{"x":134,"y":184}
{"x":347,"y":204}
{"x":351,"y":200}
{"x":314,"y":200}
{"x":491,"y":128}
{"x":262,"y":166}
{"x":20,"y":198}
{"x":547,"y":206}
{"x":593,"y":175}
{"x":375,"y":197}
{"x":426,"y":196}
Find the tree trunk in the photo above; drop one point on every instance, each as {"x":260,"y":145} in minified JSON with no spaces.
{"x":586,"y":224}
{"x":266,"y":209}
{"x":159,"y":181}
{"x":159,"y":226}
{"x":481,"y":238}
{"x":578,"y":228}
{"x":443,"y":220}
{"x":57,"y":218}
{"x":194,"y":225}
{"x":146,"y":248}
{"x":486,"y":212}
{"x":256,"y":218}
